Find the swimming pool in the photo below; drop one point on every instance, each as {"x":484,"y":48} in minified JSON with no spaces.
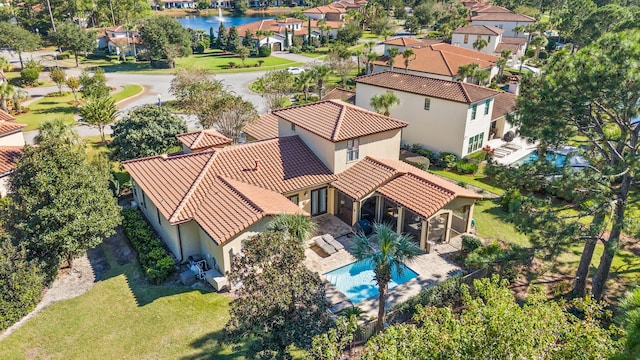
{"x":355,"y":280}
{"x":556,"y":158}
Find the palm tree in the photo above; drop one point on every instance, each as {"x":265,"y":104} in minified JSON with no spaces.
{"x":482,"y":76}
{"x":631,"y":321}
{"x":382,"y":103}
{"x":19,"y":96}
{"x":406,"y":55}
{"x":371,"y":57}
{"x":6,"y":92}
{"x":320,"y":73}
{"x":304,"y":80}
{"x":468,"y":72}
{"x":480,"y":44}
{"x":5,"y":65}
{"x":391,"y":56}
{"x":387,"y":251}
{"x":539,"y":42}
{"x":296,"y":226}
{"x":518,"y":30}
{"x":59,"y":131}
{"x":99,"y":112}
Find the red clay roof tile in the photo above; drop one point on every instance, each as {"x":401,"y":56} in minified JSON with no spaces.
{"x":263,"y":128}
{"x":205,"y":139}
{"x":9,"y":156}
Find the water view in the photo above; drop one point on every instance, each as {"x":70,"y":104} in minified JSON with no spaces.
{"x":199,"y":22}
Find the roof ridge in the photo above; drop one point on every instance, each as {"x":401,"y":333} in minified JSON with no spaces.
{"x":165,"y":157}
{"x":425,"y":180}
{"x":379,"y":162}
{"x":336,"y":129}
{"x":465,"y":92}
{"x":444,"y":58}
{"x":197,"y":139}
{"x":239,"y":193}
{"x":193,"y":188}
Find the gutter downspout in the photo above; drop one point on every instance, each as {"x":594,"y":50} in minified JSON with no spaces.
{"x":180,"y":242}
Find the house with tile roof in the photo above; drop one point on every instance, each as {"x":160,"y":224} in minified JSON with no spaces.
{"x":434,"y":59}
{"x":202,"y":140}
{"x":277,"y":28}
{"x":443,"y":116}
{"x":466,"y":36}
{"x":497,"y":16}
{"x":330,"y":157}
{"x":11,"y":148}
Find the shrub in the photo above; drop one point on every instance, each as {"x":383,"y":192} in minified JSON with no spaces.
{"x":29,"y":76}
{"x":551,"y":45}
{"x":294,"y":49}
{"x":130,"y":58}
{"x":509,"y":136}
{"x":470,"y":243}
{"x":478,"y":156}
{"x":447,"y":293}
{"x":511,"y":200}
{"x":543,"y":55}
{"x":466,"y":167}
{"x":153,"y":257}
{"x":232,"y":65}
{"x":462,"y":184}
{"x":447,"y":160}
{"x":530,"y":53}
{"x":264,"y":51}
{"x":260,"y":62}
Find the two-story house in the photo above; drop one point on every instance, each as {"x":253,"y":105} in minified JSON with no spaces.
{"x":330,"y":158}
{"x":467,"y":36}
{"x":11,"y":148}
{"x":497,"y":16}
{"x":443,"y":116}
{"x":272,"y":32}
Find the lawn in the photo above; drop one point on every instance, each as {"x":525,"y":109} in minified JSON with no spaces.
{"x":478,"y":180}
{"x":216,"y":62}
{"x":491,"y":224}
{"x":48,"y":108}
{"x":127,"y":92}
{"x":124,"y":317}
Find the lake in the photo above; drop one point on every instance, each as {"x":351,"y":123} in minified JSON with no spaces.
{"x":206,"y":22}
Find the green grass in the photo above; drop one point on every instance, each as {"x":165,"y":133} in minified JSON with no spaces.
{"x":127,"y":92}
{"x":124,"y":317}
{"x":478,"y":180}
{"x":368,"y":35}
{"x":491,"y":224}
{"x":216,"y":62}
{"x":48,"y":108}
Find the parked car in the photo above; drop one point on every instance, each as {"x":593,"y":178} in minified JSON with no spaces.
{"x":295,"y":70}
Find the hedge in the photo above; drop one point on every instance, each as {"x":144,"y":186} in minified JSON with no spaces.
{"x":155,"y":261}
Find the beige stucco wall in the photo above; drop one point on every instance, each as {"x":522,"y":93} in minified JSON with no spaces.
{"x":16,"y":139}
{"x":4,"y":185}
{"x":167,"y":232}
{"x":304,"y":198}
{"x":502,"y":126}
{"x":384,"y":145}
{"x":480,"y":124}
{"x":324,"y":149}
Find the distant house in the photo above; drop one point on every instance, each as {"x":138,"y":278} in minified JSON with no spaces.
{"x":328,"y":12}
{"x":117,"y":39}
{"x":497,"y":16}
{"x":330,"y":158}
{"x":466,"y":37}
{"x":434,"y":59}
{"x":341,"y":94}
{"x":263,"y":128}
{"x":503,"y":105}
{"x":177,"y":4}
{"x":277,"y":30}
{"x":443,"y":116}
{"x":11,"y":148}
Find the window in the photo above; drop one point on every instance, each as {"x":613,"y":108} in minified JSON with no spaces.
{"x":294,"y":199}
{"x":353,"y":149}
{"x":427,"y":104}
{"x":475,"y":143}
{"x":466,"y":38}
{"x":318,"y":201}
{"x":486,"y":106}
{"x":474,"y":111}
{"x":293,"y":127}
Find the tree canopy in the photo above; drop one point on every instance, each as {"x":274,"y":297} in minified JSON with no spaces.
{"x":146,"y":131}
{"x":165,"y":38}
{"x":17,"y":39}
{"x":71,"y":36}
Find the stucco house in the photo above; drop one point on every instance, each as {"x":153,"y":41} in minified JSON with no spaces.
{"x":117,"y":39}
{"x":497,"y":16}
{"x":466,"y":37}
{"x":278,"y":30}
{"x":11,"y":148}
{"x":177,"y":4}
{"x":443,"y":116}
{"x":433,"y":59}
{"x":202,"y":140}
{"x":330,"y":158}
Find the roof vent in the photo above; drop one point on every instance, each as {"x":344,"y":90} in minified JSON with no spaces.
{"x":255,"y":168}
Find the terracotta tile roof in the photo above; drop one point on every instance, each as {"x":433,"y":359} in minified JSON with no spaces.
{"x":422,"y":85}
{"x":4,"y":117}
{"x":9,"y":156}
{"x":441,"y":59}
{"x":204,"y":139}
{"x":223,"y":189}
{"x":488,"y":8}
{"x":502,"y":46}
{"x":327,"y":9}
{"x":478,"y":30}
{"x":502,"y":16}
{"x":417,"y":190}
{"x":9,"y":127}
{"x":329,"y":23}
{"x":514,"y":40}
{"x":277,"y":26}
{"x":503,"y":104}
{"x":263,"y":128}
{"x":336,"y":120}
{"x":341,"y":94}
{"x":404,"y":41}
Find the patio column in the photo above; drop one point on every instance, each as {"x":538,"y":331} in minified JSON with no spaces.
{"x":400,"y":222}
{"x":470,"y":217}
{"x":424,"y":233}
{"x":447,"y":229}
{"x":355,"y":212}
{"x":379,"y":208}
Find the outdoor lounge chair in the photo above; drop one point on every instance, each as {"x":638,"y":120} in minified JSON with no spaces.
{"x":333,"y":242}
{"x":324,"y":245}
{"x":510,"y":146}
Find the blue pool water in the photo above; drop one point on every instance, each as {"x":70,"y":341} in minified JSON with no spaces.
{"x":557,"y":159}
{"x":198,"y":22}
{"x":356,"y":280}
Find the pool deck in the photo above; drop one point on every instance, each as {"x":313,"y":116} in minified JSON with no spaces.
{"x":526,"y":148}
{"x":432,"y":269}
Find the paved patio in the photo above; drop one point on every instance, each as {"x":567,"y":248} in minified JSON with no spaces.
{"x":432,"y":268}
{"x":515,"y":155}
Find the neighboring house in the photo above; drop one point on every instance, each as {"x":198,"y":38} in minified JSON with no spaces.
{"x":466,"y":36}
{"x":278,"y":29}
{"x":202,"y":140}
{"x":331,"y":157}
{"x":328,"y":12}
{"x":502,"y":18}
{"x":436,"y":60}
{"x":345,"y":95}
{"x":443,"y":116}
{"x":11,"y":148}
{"x":503,"y":104}
{"x":117,"y":39}
{"x":263,"y":128}
{"x":178,"y":4}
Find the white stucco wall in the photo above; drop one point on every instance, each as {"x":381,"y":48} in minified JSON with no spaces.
{"x":507,"y":26}
{"x":16,"y":139}
{"x":445,"y":127}
{"x":4,"y":185}
{"x":492,"y":40}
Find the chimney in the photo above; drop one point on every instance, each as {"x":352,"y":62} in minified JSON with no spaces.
{"x":255,"y":168}
{"x":514,"y":85}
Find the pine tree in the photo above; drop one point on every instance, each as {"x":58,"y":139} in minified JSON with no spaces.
{"x":233,"y":40}
{"x":212,"y":38}
{"x":221,"y":40}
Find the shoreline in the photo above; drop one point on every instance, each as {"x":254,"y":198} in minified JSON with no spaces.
{"x":214,"y":12}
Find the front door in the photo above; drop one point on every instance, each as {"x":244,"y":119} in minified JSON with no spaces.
{"x":318,"y":201}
